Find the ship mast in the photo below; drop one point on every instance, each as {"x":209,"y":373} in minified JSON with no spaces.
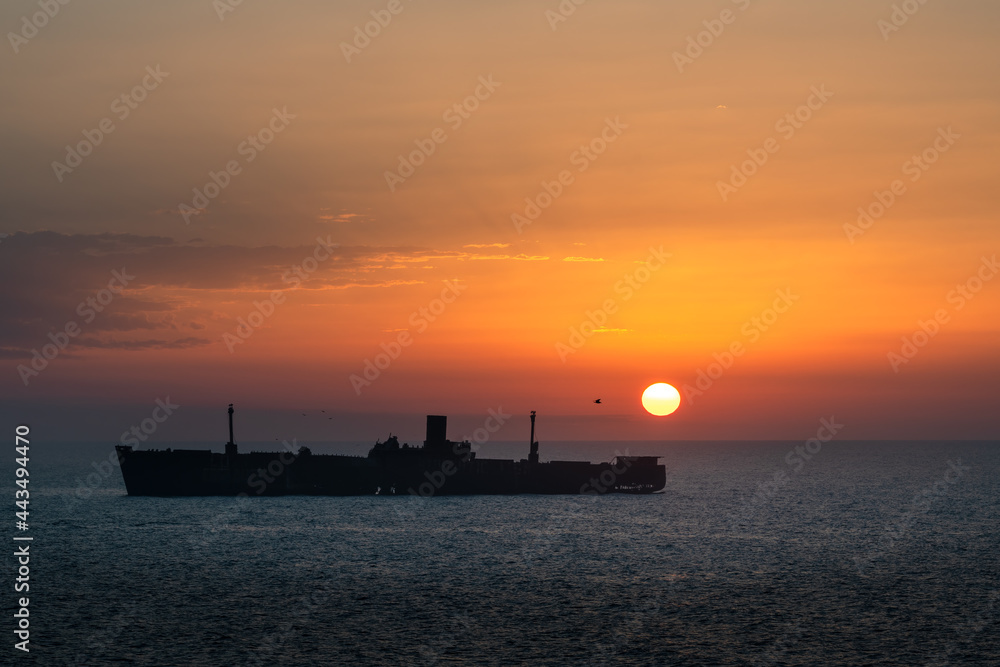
{"x":533,"y":452}
{"x":231,"y":445}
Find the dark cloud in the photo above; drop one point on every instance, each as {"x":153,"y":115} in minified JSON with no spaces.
{"x":143,"y":344}
{"x":52,"y":279}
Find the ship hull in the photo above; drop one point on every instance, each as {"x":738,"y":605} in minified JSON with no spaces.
{"x":205,"y":473}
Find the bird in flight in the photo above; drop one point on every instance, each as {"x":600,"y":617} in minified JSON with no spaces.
{"x":597,"y":401}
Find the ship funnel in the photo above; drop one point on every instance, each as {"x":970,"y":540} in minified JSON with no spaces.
{"x":437,"y":430}
{"x":533,"y":451}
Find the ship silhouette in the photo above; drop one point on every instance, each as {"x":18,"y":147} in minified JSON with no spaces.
{"x":439,"y":467}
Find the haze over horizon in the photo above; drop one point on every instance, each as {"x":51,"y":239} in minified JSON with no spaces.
{"x":549,"y":212}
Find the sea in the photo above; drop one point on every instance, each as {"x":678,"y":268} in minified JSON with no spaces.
{"x":755,"y":553}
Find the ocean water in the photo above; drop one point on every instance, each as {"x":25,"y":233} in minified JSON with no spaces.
{"x":864,"y":554}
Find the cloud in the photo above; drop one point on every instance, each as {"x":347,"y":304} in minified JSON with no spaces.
{"x":583,"y":259}
{"x":146,"y":344}
{"x":173,"y":286}
{"x":341,"y":217}
{"x":519,"y":257}
{"x":428,"y":255}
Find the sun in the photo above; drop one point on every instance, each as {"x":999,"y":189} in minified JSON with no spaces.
{"x":660,"y":399}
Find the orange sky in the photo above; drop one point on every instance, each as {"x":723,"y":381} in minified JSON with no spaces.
{"x":670,"y":137}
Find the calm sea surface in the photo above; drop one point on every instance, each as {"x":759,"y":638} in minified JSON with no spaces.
{"x":864,"y":554}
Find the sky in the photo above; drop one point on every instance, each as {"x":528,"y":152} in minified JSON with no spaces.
{"x":785,"y":209}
